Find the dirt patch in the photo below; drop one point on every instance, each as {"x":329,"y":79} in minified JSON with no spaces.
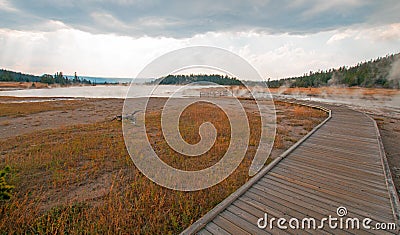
{"x":390,"y":132}
{"x":66,"y":113}
{"x":91,"y":189}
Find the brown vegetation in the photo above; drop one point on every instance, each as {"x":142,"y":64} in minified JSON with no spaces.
{"x":389,"y":128}
{"x":190,"y":121}
{"x":80,"y":179}
{"x":23,"y":85}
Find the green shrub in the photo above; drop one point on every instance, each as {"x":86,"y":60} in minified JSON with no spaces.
{"x":5,"y":188}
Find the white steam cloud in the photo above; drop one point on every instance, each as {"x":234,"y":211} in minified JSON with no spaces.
{"x":394,"y":73}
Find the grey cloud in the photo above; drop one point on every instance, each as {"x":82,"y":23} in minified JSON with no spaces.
{"x":186,"y":18}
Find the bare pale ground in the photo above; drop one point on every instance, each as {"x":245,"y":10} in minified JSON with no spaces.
{"x":65,"y":113}
{"x":389,"y":128}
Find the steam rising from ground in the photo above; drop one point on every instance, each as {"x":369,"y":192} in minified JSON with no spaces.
{"x":394,"y":73}
{"x":385,"y":102}
{"x":334,"y":81}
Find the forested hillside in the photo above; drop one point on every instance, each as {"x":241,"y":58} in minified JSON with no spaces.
{"x":10,"y":76}
{"x":58,"y":78}
{"x":186,"y":79}
{"x":381,"y":72}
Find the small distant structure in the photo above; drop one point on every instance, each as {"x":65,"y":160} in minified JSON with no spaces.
{"x":218,"y":93}
{"x":131,"y":117}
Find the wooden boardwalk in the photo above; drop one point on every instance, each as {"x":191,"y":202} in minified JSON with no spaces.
{"x":340,"y":164}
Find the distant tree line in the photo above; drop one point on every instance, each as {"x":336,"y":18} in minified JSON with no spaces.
{"x":186,"y":79}
{"x":10,"y":76}
{"x":58,"y":78}
{"x":373,"y":73}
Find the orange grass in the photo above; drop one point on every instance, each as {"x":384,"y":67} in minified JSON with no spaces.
{"x":24,"y":85}
{"x":80,"y":179}
{"x":189,"y":124}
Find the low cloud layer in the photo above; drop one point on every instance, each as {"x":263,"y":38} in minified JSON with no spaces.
{"x":183,"y":19}
{"x":116,"y":38}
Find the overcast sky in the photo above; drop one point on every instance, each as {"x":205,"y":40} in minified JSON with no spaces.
{"x":117,"y":38}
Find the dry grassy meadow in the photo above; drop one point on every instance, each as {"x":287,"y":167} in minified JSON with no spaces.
{"x":78,"y":177}
{"x":23,"y":85}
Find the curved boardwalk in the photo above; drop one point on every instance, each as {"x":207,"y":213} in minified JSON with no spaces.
{"x":341,"y":164}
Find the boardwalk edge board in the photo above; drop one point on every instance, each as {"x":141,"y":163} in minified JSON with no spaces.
{"x":209,"y":216}
{"x":394,"y":199}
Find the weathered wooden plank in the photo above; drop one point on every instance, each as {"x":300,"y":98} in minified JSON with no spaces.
{"x":361,"y":160}
{"x":228,"y":226}
{"x":343,"y":146}
{"x":343,"y":152}
{"x":355,"y":185}
{"x":353,"y":174}
{"x":215,"y":229}
{"x":204,"y":232}
{"x":362,"y":202}
{"x":243,"y":219}
{"x":327,"y":147}
{"x":338,"y":175}
{"x":345,"y":136}
{"x":315,"y":160}
{"x":374,"y":177}
{"x":312,"y":161}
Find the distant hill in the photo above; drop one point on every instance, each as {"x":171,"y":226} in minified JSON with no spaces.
{"x":382,"y":72}
{"x":58,"y":78}
{"x":11,"y":76}
{"x":186,"y":79}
